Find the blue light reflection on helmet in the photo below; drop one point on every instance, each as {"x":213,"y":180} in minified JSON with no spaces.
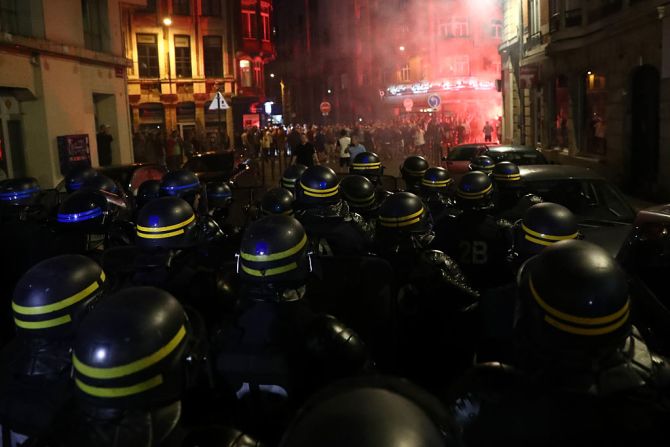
{"x":176,"y":188}
{"x":79,"y":217}
{"x":18,"y":195}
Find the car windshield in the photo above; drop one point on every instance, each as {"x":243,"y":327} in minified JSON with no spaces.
{"x":520,"y":158}
{"x":587,"y":199}
{"x":465,"y":153}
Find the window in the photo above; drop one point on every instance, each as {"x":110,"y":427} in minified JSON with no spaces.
{"x":533,"y":17}
{"x":554,"y":15}
{"x":213,"y":56}
{"x":573,"y":13}
{"x":454,"y":27}
{"x":93,"y":25}
{"x":182,"y":56}
{"x":249,"y":24}
{"x":9,"y":16}
{"x":266,"y":26}
{"x":181,"y":7}
{"x":245,"y":73}
{"x":496,"y":29}
{"x":405,"y":73}
{"x":258,"y":73}
{"x":147,"y":56}
{"x":459,"y":65}
{"x":211,"y":8}
{"x":151,"y":7}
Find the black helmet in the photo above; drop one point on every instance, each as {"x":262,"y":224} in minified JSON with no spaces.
{"x":52,"y":297}
{"x":148,"y":191}
{"x":413,"y":168}
{"x":167,"y":222}
{"x":181,"y":183}
{"x":292,"y":174}
{"x":76,"y":177}
{"x":403,"y":212}
{"x":85,"y":210}
{"x":506,"y":175}
{"x":102,"y":183}
{"x":277,"y":201}
{"x":475,"y":191}
{"x":368,"y":164}
{"x":274,"y":249}
{"x":482,"y":163}
{"x":219,"y":195}
{"x":436,"y":179}
{"x":19,"y":191}
{"x":371,"y":413}
{"x":359,"y":192}
{"x":543,"y":225}
{"x":132,"y":350}
{"x":318,"y":186}
{"x":575,"y":297}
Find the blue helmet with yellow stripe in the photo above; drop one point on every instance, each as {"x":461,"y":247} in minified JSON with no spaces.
{"x":368,"y":164}
{"x":359,"y":192}
{"x":507,"y":175}
{"x":482,"y":163}
{"x":166,"y":222}
{"x":542,"y":226}
{"x":274,"y":250}
{"x":475,"y":191}
{"x":436,"y":180}
{"x":51,"y":298}
{"x":404,"y":224}
{"x":575,"y":298}
{"x":133,"y":351}
{"x":291,"y":175}
{"x":318,"y":186}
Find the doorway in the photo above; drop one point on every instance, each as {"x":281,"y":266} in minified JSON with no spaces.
{"x":644,"y":138}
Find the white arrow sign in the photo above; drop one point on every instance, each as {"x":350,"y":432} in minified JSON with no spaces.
{"x":219,"y":103}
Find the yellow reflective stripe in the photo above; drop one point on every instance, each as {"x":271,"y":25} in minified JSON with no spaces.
{"x":366,"y":165}
{"x":275,"y":256}
{"x":466,"y":194}
{"x":586,"y":331}
{"x":270,"y":272}
{"x":133,"y":367}
{"x":401,"y":219}
{"x":587,"y":321}
{"x":539,"y":241}
{"x":120,"y":391}
{"x":547,"y":236}
{"x":160,"y":236}
{"x":44,"y":324}
{"x":399,"y":224}
{"x":168,"y":228}
{"x":510,"y":178}
{"x":319,"y":191}
{"x":311,"y":194}
{"x":432,"y":183}
{"x":62,"y":304}
{"x":416,"y":173}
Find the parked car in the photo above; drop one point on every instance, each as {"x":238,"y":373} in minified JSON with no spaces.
{"x":457,"y":161}
{"x":212,"y":166}
{"x":603,"y":213}
{"x":129,"y":177}
{"x":519,"y":155}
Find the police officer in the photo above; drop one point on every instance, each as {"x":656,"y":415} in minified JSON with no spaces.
{"x":435,"y":191}
{"x":219,"y":200}
{"x":483,"y":163}
{"x":582,"y":376}
{"x":276,"y":351}
{"x":332,"y":228}
{"x":147,"y":191}
{"x":436,"y":303}
{"x":361,"y":196}
{"x":277,"y":201}
{"x":184,"y":184}
{"x":291,"y":176}
{"x":48,"y":305}
{"x":412,"y":171}
{"x":510,"y":201}
{"x":18,"y":198}
{"x":134,"y":358}
{"x":368,"y":164}
{"x":372,"y":412}
{"x":76,"y":177}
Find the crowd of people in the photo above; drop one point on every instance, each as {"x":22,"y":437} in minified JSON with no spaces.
{"x":341,"y":313}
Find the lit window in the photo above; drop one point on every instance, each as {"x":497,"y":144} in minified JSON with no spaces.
{"x":147,"y":56}
{"x":496,"y":29}
{"x":182,"y":56}
{"x":405,"y":73}
{"x":245,"y":73}
{"x":533,"y":17}
{"x":266,"y":26}
{"x":249,"y":24}
{"x":258,"y":73}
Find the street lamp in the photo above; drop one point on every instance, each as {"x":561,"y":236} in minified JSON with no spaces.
{"x":167,"y":22}
{"x":272,"y":75}
{"x":330,"y":91}
{"x":402,"y":48}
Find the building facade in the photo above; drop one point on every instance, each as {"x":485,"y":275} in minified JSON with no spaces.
{"x":62,"y":75}
{"x":588,"y":81}
{"x":185,"y":51}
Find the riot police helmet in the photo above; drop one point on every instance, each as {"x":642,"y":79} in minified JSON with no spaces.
{"x":133,"y":351}
{"x":435,"y":180}
{"x":274,"y":250}
{"x":85,"y":210}
{"x":359,"y":192}
{"x":291,"y":176}
{"x":19,"y":191}
{"x":166,"y":222}
{"x":101,"y":182}
{"x":507,"y":176}
{"x":368,"y":164}
{"x":181,"y":183}
{"x":51,"y":299}
{"x":482,"y":163}
{"x":76,"y":177}
{"x":148,"y":191}
{"x":277,"y":201}
{"x":318,"y":186}
{"x":219,"y":195}
{"x":475,"y":191}
{"x":404,"y":224}
{"x":574,"y":298}
{"x":413,"y":168}
{"x":542,"y":226}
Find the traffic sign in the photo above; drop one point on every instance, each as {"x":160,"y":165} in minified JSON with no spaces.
{"x":219,"y":103}
{"x":408,"y":103}
{"x":434,"y":101}
{"x":325,"y":108}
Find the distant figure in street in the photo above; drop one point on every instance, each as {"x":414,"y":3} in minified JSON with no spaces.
{"x":488,"y":130}
{"x":305,"y":154}
{"x":104,"y":140}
